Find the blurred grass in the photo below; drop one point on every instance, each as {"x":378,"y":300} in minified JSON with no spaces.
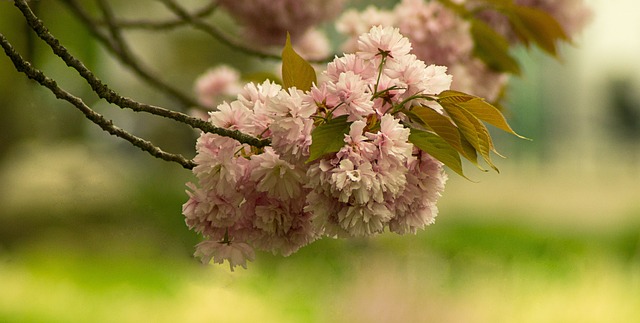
{"x":127,"y":257}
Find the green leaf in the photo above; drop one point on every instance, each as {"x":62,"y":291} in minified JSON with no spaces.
{"x":444,"y":127}
{"x":535,"y":25}
{"x":296,"y":71}
{"x":437,"y":147}
{"x":472,"y":129}
{"x":492,"y":48}
{"x":485,"y":143}
{"x":498,"y":3}
{"x":454,"y":96}
{"x":328,"y":137}
{"x":459,"y":9}
{"x":479,"y":108}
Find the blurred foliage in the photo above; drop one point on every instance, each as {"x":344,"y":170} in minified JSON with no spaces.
{"x":467,"y":269}
{"x":91,"y":230}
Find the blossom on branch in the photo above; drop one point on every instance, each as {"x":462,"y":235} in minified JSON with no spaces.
{"x":283,"y":197}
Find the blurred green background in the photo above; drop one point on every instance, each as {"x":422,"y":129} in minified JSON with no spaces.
{"x":91,"y":228}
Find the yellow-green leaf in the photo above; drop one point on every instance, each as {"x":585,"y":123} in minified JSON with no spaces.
{"x":480,"y":108}
{"x":489,"y":114}
{"x":485,"y":143}
{"x":492,"y":48}
{"x":444,"y":127}
{"x":535,"y":25}
{"x":328,"y":137}
{"x":296,"y":71}
{"x":454,"y":96}
{"x":472,"y":129}
{"x":459,"y":9}
{"x":437,"y":147}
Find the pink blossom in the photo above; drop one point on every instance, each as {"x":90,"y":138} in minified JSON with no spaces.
{"x":289,"y":103}
{"x":285,"y":226}
{"x":354,"y":185}
{"x":291,"y":125}
{"x":351,"y":63}
{"x":276,"y":177}
{"x":353,"y":94}
{"x":197,"y":207}
{"x":418,"y":78}
{"x":273,"y":217}
{"x":235,"y":253}
{"x":321,"y":97}
{"x":293,"y":147}
{"x":205,"y":211}
{"x":364,"y":220}
{"x":437,"y":80}
{"x":383,"y":39}
{"x":416,"y":207}
{"x":217,"y":84}
{"x":353,"y":24}
{"x":438,"y":35}
{"x":474,"y":77}
{"x":219,"y":168}
{"x":255,"y":97}
{"x":392,"y":139}
{"x":358,"y":148}
{"x":234,"y":116}
{"x":313,"y":45}
{"x":409,"y":71}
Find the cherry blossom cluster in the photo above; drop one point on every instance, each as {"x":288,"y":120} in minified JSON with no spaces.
{"x":438,"y":35}
{"x":278,"y":199}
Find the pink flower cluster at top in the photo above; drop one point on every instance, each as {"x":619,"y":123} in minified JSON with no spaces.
{"x":272,"y":199}
{"x":441,"y":36}
{"x":267,"y":21}
{"x":438,"y":35}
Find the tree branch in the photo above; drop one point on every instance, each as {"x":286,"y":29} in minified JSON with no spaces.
{"x":218,"y":34}
{"x":125,"y":56}
{"x":107,"y":125}
{"x":165,"y":24}
{"x":104,"y":92}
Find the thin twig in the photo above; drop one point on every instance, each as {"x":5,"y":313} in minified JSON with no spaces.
{"x":30,"y":52}
{"x":218,"y":34}
{"x":227,"y":40}
{"x":127,"y":58}
{"x":118,"y":41}
{"x":104,"y":92}
{"x":159,"y":25}
{"x":107,"y":125}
